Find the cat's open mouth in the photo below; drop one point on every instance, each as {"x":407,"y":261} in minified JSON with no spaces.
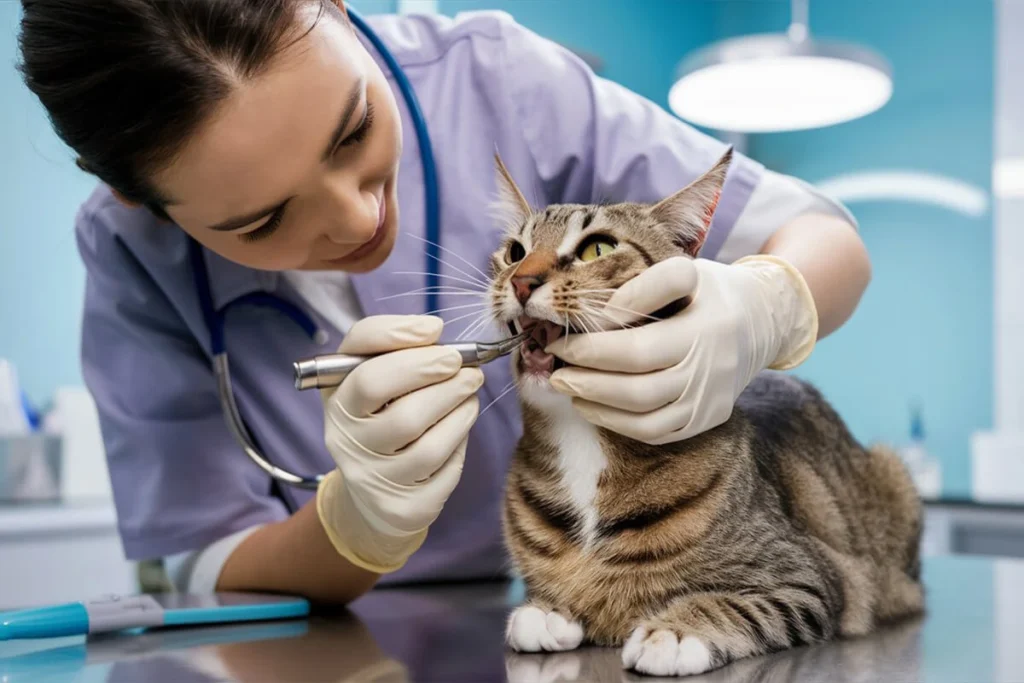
{"x":533,"y":359}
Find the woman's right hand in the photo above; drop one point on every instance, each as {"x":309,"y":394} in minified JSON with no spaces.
{"x":397,"y":429}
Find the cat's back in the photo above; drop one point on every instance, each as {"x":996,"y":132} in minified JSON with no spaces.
{"x":790,"y":417}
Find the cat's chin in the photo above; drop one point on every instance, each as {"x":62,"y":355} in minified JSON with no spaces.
{"x":536,"y":390}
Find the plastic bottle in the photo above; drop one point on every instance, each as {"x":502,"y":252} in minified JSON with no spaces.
{"x":925,"y":469}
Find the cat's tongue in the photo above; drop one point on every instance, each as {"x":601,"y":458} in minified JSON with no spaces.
{"x":542,"y":333}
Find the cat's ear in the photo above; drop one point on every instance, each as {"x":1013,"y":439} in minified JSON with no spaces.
{"x":511,"y":206}
{"x":688,"y":212}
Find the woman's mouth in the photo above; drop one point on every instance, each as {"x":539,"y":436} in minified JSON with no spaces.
{"x":533,"y":359}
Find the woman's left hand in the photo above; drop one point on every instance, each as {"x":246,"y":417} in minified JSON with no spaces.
{"x":668,"y":380}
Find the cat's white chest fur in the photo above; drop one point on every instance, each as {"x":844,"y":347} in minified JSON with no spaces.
{"x":580,"y":460}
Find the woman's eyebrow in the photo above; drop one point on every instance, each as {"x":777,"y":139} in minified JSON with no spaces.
{"x":346,"y":115}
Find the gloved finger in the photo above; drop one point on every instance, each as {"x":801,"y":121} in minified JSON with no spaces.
{"x":384,"y":378}
{"x":426,"y":456}
{"x":653,"y":289}
{"x":436,"y":489}
{"x":639,"y":393}
{"x":633,"y":350}
{"x":656,"y":427}
{"x":383,"y":333}
{"x":409,"y":417}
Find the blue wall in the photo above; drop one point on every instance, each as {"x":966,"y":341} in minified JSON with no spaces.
{"x":924,"y":328}
{"x":41,"y":276}
{"x":639,"y":41}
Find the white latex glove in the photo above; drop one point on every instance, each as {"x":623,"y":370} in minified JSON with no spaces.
{"x":669,"y":380}
{"x":397,"y":429}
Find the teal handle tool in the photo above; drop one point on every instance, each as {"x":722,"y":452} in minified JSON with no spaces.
{"x":116,"y":613}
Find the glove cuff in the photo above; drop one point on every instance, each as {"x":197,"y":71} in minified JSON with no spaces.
{"x":353,"y":538}
{"x":793,"y":309}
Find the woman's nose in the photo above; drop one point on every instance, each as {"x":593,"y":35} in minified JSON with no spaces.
{"x":353,"y":216}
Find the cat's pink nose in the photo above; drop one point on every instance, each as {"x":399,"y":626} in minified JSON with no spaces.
{"x":523,"y":285}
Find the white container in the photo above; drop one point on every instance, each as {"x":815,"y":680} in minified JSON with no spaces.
{"x":75,"y":418}
{"x":997,"y":466}
{"x":30,"y":468}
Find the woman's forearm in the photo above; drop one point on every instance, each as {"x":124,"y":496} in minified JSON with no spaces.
{"x":830,"y":255}
{"x":295,"y":557}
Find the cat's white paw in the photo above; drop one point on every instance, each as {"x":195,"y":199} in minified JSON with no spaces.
{"x":531,"y":629}
{"x":662,"y":654}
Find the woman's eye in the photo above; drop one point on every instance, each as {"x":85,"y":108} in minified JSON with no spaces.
{"x":360,"y":133}
{"x":516,"y":252}
{"x":265,"y":230}
{"x":595,"y":248}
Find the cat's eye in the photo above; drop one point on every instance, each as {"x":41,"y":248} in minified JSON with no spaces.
{"x":516,"y":252}
{"x":595,"y":248}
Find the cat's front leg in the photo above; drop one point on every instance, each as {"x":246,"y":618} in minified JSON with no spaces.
{"x":704,"y":631}
{"x":534,"y":627}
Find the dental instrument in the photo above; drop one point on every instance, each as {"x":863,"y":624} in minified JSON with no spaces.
{"x":330,"y":370}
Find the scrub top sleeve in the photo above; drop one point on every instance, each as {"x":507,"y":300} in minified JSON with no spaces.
{"x":179,"y":480}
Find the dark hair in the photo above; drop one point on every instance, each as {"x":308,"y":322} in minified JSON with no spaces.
{"x":125,"y":82}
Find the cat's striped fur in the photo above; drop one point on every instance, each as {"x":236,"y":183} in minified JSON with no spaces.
{"x":775,"y":529}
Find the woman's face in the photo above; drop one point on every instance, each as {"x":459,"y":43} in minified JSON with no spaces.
{"x":297,"y":168}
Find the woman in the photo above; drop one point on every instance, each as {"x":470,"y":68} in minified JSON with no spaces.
{"x":273,"y":134}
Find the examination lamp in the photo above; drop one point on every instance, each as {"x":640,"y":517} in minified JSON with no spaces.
{"x":774,"y":82}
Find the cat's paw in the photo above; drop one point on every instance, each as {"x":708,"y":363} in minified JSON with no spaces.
{"x":661,"y":653}
{"x":531,"y":629}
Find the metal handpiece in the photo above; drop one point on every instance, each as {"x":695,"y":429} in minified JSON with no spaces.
{"x":331,"y":370}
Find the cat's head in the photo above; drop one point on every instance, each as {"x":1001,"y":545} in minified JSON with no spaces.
{"x":558,"y":265}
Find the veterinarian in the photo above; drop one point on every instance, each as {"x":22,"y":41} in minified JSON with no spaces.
{"x":265,"y":155}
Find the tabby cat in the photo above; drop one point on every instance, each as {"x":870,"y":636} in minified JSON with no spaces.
{"x":775,"y":529}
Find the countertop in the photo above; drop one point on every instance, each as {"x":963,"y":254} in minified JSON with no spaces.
{"x":973,"y":632}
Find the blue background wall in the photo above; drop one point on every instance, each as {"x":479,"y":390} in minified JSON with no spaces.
{"x":41,"y":277}
{"x":923,"y":329}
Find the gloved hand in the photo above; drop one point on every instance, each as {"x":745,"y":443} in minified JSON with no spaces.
{"x":397,"y":429}
{"x":669,"y":380}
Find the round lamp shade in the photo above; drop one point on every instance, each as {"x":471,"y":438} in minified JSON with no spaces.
{"x":772,"y":83}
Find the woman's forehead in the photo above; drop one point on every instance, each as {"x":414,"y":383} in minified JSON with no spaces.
{"x":264,"y":138}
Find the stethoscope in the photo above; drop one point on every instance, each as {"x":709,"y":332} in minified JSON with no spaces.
{"x":215,"y":318}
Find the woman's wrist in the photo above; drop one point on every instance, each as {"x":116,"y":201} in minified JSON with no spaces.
{"x":296,"y":557}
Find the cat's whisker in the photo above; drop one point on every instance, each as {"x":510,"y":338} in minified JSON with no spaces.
{"x":483,"y":318}
{"x":592,"y":311}
{"x":582,"y":317}
{"x":449,"y":251}
{"x":458,"y":270}
{"x":456,"y":308}
{"x":463,"y":317}
{"x":622,"y":309}
{"x":444,"y":277}
{"x":445,"y":288}
{"x":508,"y":387}
{"x":445,"y":293}
{"x":474,"y":328}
